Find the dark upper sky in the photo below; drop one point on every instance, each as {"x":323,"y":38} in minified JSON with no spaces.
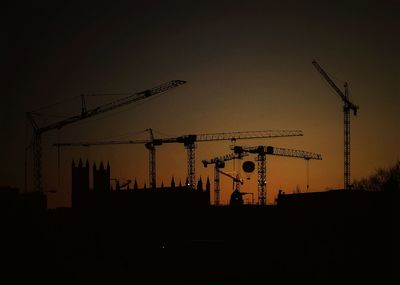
{"x":247,"y":63}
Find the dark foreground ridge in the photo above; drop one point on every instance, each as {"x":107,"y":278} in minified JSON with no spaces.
{"x":337,"y":237}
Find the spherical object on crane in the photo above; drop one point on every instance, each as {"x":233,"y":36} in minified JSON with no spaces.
{"x":248,"y":166}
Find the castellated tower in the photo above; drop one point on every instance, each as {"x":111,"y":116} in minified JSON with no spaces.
{"x":101,"y":178}
{"x":80,"y":182}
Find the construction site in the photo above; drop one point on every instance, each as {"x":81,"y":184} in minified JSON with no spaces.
{"x":117,"y":230}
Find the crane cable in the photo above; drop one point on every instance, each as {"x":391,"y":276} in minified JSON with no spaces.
{"x":58,"y":158}
{"x":308,"y":174}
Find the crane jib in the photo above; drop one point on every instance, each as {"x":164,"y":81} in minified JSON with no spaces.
{"x":37,"y":148}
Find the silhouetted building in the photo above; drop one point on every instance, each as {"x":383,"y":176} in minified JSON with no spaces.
{"x":13,"y":202}
{"x":236,"y":198}
{"x":101,"y":178}
{"x":80,"y":182}
{"x":33,"y":202}
{"x":172,"y":183}
{"x":333,"y":201}
{"x":103,"y":197}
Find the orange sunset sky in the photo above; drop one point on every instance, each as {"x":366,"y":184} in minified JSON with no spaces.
{"x":247,"y":67}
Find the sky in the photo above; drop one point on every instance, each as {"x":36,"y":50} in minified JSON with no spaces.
{"x":247,"y":65}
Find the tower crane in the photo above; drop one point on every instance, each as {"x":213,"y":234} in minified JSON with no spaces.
{"x":262,"y":152}
{"x":237,"y":195}
{"x":219,"y":162}
{"x":189,"y":142}
{"x":85,"y":113}
{"x":347,"y":106}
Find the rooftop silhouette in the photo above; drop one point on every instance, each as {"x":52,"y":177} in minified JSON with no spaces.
{"x":142,"y":235}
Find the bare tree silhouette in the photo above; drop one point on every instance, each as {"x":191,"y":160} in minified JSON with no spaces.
{"x":384,"y":179}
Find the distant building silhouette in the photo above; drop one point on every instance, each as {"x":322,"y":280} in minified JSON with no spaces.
{"x":101,"y":178}
{"x":334,"y":201}
{"x":13,"y":202}
{"x":172,"y":183}
{"x":102,"y":196}
{"x":236,"y":198}
{"x":80,"y":182}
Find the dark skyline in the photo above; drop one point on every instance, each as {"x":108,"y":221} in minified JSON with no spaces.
{"x":248,"y":67}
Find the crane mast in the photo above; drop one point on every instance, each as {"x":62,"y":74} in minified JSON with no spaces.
{"x":38,"y":131}
{"x":347,"y":107}
{"x":262,"y":152}
{"x":152,"y":159}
